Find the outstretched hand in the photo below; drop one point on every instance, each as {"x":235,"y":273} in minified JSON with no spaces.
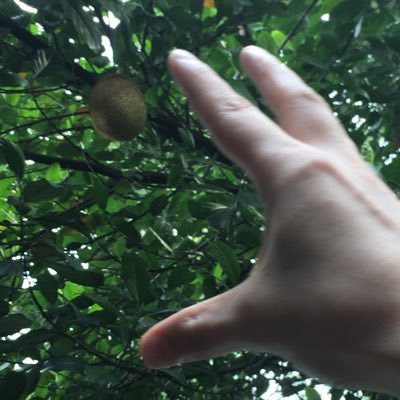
{"x":325,"y":292}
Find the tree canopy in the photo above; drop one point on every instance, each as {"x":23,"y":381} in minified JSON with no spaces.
{"x":101,"y":239}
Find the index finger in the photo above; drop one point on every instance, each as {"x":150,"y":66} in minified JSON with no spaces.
{"x":242,"y":131}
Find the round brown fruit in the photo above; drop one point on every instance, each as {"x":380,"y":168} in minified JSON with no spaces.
{"x":117,"y":107}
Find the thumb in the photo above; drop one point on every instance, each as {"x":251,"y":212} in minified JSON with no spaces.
{"x":202,"y":331}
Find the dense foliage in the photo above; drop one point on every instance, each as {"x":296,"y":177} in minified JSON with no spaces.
{"x":100,"y":240}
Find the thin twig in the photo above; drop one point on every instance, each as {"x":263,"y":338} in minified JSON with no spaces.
{"x":294,"y":30}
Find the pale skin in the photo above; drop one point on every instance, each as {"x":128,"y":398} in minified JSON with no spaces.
{"x":325,"y":291}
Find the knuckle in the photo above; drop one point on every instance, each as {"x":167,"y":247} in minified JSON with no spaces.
{"x":308,"y":94}
{"x":234,"y":103}
{"x":312,"y":167}
{"x":302,"y":97}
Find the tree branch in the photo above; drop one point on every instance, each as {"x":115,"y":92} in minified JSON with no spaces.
{"x":145,"y":178}
{"x":37,"y":43}
{"x":294,"y":30}
{"x":74,"y":164}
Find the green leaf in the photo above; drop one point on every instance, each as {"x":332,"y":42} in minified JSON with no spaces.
{"x":312,"y":394}
{"x":18,"y":204}
{"x":55,"y":174}
{"x":87,"y":30}
{"x":209,"y":286}
{"x":5,"y":189}
{"x":180,"y":276}
{"x":41,"y":190}
{"x":140,"y":390}
{"x":83,"y":301}
{"x":187,"y":137}
{"x":8,"y":115}
{"x":95,"y":373}
{"x":4,"y":308}
{"x":278,"y":37}
{"x":13,"y":99}
{"x":367,"y":150}
{"x":72,"y":291}
{"x":328,"y":5}
{"x":391,"y":172}
{"x":83,"y":277}
{"x":177,"y":374}
{"x":248,"y":236}
{"x":158,"y":204}
{"x":119,"y":247}
{"x":134,"y":274}
{"x":11,"y":268}
{"x":103,"y":302}
{"x":12,"y":385}
{"x":64,"y":364}
{"x":265,"y":40}
{"x":349,"y":8}
{"x":201,"y":209}
{"x":97,"y":318}
{"x":220,"y":217}
{"x":48,"y":286}
{"x":129,"y":231}
{"x":249,"y":198}
{"x":225,"y":255}
{"x":35,"y":337}
{"x":13,"y":324}
{"x":393,"y":43}
{"x":14,"y":157}
{"x":61,"y":347}
{"x":336,"y":394}
{"x":32,"y":380}
{"x":100,"y":192}
{"x":68,"y":220}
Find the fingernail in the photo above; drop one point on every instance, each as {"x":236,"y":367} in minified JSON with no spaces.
{"x":182,"y":55}
{"x":162,"y":355}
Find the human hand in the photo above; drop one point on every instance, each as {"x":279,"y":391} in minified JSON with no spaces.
{"x":325,"y":292}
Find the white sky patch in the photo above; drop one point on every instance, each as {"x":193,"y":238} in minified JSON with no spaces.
{"x":28,"y":282}
{"x":333,"y":94}
{"x":390,"y":159}
{"x":383,"y":142}
{"x":358,"y":121}
{"x":17,"y":335}
{"x":14,"y":336}
{"x":274,"y":393}
{"x":25,"y":7}
{"x":325,"y":17}
{"x":111,"y":20}
{"x":51,"y":271}
{"x":29,"y":361}
{"x":108,"y":52}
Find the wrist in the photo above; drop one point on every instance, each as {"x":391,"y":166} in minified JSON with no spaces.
{"x":382,"y":352}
